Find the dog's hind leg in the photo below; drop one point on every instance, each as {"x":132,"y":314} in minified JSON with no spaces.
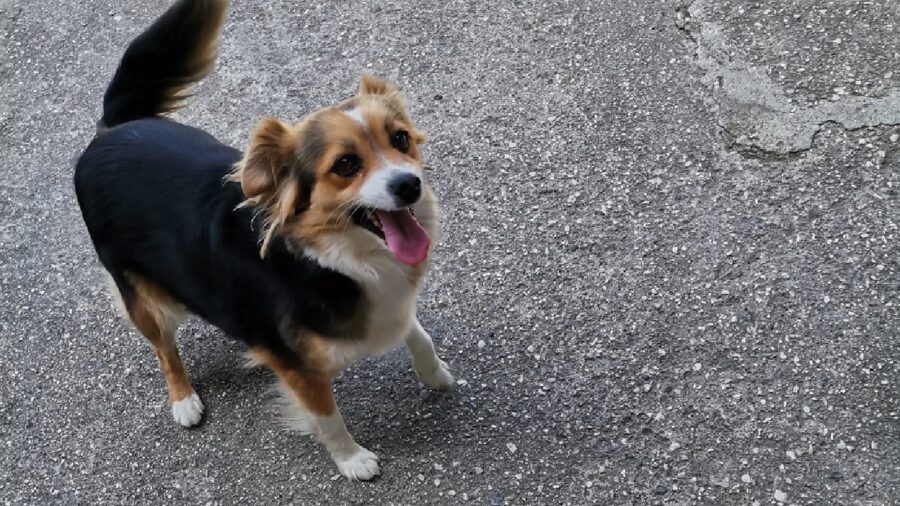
{"x":157,"y":316}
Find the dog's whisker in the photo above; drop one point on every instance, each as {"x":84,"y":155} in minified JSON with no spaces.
{"x":339,"y":210}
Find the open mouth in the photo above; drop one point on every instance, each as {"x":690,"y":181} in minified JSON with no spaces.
{"x":400,"y":231}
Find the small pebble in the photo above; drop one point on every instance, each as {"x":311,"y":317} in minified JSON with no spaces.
{"x":780,"y":496}
{"x":660,"y":489}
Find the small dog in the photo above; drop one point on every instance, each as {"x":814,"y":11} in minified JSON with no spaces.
{"x":310,"y":246}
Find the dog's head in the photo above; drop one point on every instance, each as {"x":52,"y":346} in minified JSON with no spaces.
{"x":343,"y":169}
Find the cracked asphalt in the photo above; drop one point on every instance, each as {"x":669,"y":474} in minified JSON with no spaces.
{"x":669,"y":272}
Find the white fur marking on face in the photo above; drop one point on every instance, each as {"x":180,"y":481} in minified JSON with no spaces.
{"x":188,"y":411}
{"x":357,"y":116}
{"x":375,"y":193}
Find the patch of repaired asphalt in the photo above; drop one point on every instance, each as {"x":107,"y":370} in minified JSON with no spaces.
{"x":753,"y":110}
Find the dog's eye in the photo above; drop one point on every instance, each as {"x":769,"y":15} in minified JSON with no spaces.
{"x":347,"y":165}
{"x":400,"y":140}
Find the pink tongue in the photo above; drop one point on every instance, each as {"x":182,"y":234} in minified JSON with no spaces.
{"x":406,"y":239}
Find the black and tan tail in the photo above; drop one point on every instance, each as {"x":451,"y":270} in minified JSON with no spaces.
{"x":161,"y":64}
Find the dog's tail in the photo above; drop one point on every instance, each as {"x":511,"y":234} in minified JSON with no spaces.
{"x":161,"y":64}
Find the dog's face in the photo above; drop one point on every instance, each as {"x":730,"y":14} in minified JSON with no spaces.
{"x":354,"y":165}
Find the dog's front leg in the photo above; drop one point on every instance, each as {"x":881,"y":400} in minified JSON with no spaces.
{"x":433,"y":371}
{"x":310,"y":393}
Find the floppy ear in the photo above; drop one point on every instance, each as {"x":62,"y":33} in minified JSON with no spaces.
{"x":264,"y":176}
{"x":266,"y":161}
{"x":373,"y":85}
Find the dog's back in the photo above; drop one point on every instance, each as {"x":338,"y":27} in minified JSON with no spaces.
{"x":144,"y":178}
{"x":136,"y":149}
{"x":160,"y":211}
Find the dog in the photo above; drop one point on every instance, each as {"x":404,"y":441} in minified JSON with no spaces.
{"x":310,"y":246}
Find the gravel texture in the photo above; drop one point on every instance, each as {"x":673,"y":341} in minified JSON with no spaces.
{"x":670,"y":270}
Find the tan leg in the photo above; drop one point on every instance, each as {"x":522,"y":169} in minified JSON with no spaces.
{"x":156,"y":315}
{"x":316,"y":413}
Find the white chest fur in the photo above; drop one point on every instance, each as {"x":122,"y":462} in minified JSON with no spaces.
{"x":390,"y":287}
{"x":390,"y":316}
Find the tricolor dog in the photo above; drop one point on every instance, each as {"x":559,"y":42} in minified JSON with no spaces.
{"x":310,"y":246}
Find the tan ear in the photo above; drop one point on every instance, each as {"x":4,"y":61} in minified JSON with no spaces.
{"x":266,"y":160}
{"x":264,"y":176}
{"x":373,"y":85}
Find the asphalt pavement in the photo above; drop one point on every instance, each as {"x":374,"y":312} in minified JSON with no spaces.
{"x":670,"y":270}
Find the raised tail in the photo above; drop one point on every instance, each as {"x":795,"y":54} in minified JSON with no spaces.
{"x":161,"y":64}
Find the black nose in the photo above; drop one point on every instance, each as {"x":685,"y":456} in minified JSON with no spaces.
{"x":406,"y":188}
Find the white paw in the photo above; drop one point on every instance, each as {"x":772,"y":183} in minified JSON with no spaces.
{"x":362,"y":465}
{"x":187,"y":411}
{"x":438,"y":376}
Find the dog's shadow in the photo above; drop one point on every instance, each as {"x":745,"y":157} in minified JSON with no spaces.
{"x":220,"y":374}
{"x":385,"y":406}
{"x":383,"y":403}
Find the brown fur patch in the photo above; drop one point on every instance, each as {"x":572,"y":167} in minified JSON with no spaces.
{"x":265,"y":174}
{"x":286,"y":170}
{"x":310,"y":386}
{"x":373,"y":88}
{"x":332,"y":197}
{"x":157,"y":315}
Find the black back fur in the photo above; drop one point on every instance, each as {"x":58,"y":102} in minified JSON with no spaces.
{"x":156,"y":204}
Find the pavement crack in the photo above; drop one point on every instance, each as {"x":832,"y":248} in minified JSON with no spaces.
{"x":753,"y":112}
